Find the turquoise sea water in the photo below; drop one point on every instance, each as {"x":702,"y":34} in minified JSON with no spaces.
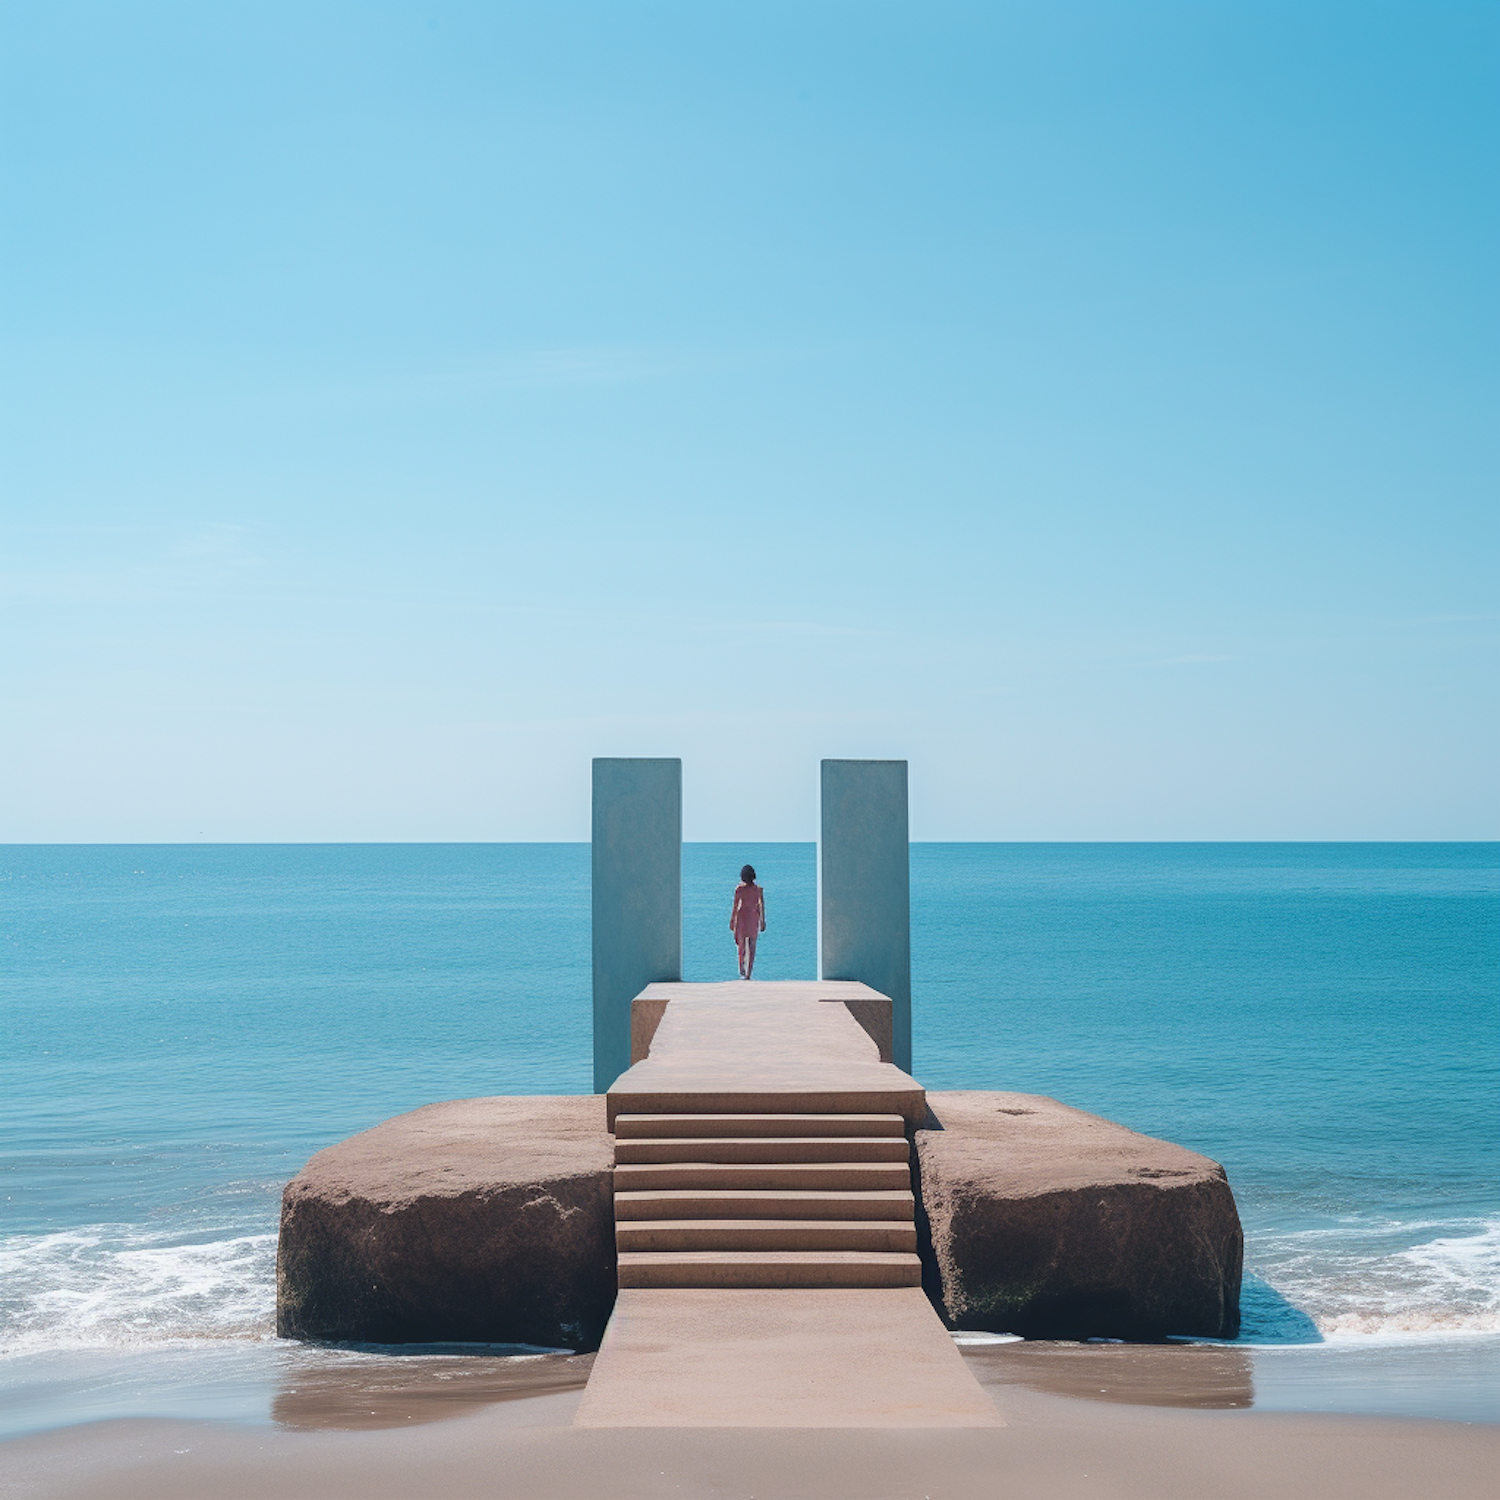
{"x":182,"y":1026}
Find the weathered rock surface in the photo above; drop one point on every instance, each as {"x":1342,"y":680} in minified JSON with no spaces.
{"x":1046,"y":1221}
{"x":476,"y":1220}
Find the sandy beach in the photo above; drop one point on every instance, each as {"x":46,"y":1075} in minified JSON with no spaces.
{"x":1172,"y":1427}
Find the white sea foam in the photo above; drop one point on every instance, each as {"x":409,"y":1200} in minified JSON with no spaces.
{"x":1469,"y":1263}
{"x":1445,"y":1286}
{"x":111,"y":1285}
{"x":1354,"y":1285}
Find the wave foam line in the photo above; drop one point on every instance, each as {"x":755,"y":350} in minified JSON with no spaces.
{"x":1441,"y":1288}
{"x":93,"y":1288}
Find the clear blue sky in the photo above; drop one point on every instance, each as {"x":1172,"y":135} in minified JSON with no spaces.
{"x":1093,"y":403}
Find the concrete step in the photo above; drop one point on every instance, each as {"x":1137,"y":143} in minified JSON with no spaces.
{"x":829,"y":1176}
{"x":760,"y":1203}
{"x":784,"y":1148}
{"x":769,"y":1268}
{"x":767,"y":1234}
{"x":892,"y":1093}
{"x":656,"y":1127}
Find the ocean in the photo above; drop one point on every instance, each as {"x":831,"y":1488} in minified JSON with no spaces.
{"x":181,"y":1027}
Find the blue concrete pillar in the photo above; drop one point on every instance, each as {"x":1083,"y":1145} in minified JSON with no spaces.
{"x":864,"y":886}
{"x":637,"y":864}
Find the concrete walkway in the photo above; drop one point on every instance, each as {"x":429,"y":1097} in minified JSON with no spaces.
{"x":836,"y":1357}
{"x":794,"y":1047}
{"x":764,"y":1221}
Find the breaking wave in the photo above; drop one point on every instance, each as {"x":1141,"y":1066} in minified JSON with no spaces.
{"x":107,"y":1286}
{"x":1350,"y":1285}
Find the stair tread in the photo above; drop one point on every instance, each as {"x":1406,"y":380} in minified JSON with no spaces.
{"x":813,"y":1195}
{"x":746,"y":1168}
{"x":634,"y":1206}
{"x":873,"y":1225}
{"x":885,"y":1119}
{"x":765,"y":1177}
{"x":769,"y":1257}
{"x":768,"y":1270}
{"x":765,"y":1142}
{"x":768,"y":1141}
{"x":766,"y":1234}
{"x":758,"y":1161}
{"x":877,"y":1127}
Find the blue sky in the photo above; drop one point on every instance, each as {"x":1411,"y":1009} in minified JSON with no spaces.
{"x":1092,"y":403}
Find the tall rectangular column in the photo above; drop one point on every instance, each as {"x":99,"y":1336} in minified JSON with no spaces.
{"x":864,"y":886}
{"x":637,"y":878}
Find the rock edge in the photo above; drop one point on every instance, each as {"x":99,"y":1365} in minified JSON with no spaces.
{"x":1045,"y":1221}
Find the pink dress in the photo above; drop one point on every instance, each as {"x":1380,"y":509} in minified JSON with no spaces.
{"x":747,"y":911}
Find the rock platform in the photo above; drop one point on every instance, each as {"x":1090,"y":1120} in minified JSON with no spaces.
{"x":1045,"y":1221}
{"x":476,"y":1220}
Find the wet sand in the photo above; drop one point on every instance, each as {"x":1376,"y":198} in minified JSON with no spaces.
{"x":1126,"y":1421}
{"x":1457,"y":1380}
{"x":388,"y":1395}
{"x":1197,"y":1377}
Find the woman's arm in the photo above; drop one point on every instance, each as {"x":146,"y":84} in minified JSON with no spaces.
{"x":734,"y":909}
{"x":763,"y":908}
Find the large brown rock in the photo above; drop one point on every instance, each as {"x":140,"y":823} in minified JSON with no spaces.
{"x":1046,"y":1221}
{"x":487,"y":1220}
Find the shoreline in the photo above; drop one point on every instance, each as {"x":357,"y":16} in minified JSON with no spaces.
{"x":1066,"y":1446}
{"x":266,"y":1385}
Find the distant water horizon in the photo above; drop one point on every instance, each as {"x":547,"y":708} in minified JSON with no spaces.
{"x":185,"y":1024}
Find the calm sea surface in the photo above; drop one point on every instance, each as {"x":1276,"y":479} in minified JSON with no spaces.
{"x":182,"y":1026}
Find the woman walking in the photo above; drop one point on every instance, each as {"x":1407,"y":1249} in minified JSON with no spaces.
{"x":747,"y":918}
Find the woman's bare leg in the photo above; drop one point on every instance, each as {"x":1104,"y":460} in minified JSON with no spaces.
{"x":747,"y":966}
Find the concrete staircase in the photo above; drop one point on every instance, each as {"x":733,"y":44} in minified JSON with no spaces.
{"x":764,"y":1200}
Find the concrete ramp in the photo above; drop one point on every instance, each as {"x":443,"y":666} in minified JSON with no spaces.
{"x":838,"y":1357}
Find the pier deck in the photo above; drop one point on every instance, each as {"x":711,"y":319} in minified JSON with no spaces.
{"x":791,"y":1047}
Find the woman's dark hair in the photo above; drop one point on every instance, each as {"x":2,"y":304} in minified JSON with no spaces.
{"x":747,"y":873}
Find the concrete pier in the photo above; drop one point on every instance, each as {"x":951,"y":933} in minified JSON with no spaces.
{"x":765,"y":1221}
{"x":637,"y":896}
{"x":745,"y":1194}
{"x":864,"y":903}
